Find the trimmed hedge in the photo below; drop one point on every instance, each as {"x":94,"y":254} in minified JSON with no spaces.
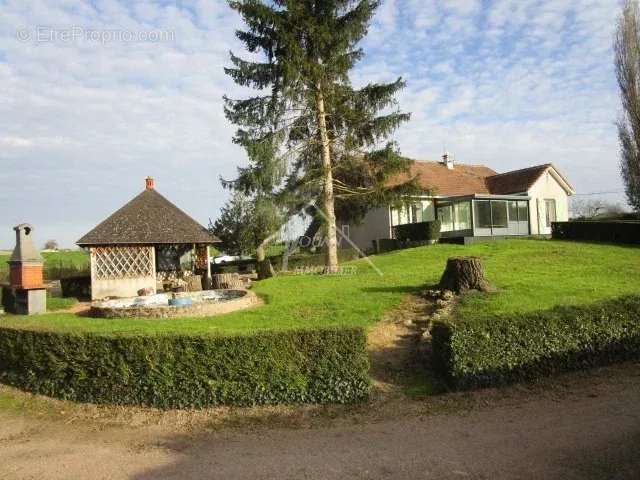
{"x":614,"y":232}
{"x":299,"y":366}
{"x":418,"y":231}
{"x":502,"y":349}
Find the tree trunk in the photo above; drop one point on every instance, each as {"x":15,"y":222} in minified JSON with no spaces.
{"x":265,"y":269}
{"x":464,"y":273}
{"x":263,"y":264}
{"x":328,"y":197}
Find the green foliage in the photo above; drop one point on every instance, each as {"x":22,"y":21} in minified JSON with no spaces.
{"x":600,"y":231}
{"x":627,"y":53}
{"x":244,"y":223}
{"x":433,"y":229}
{"x":308,"y":50}
{"x":493,"y":350}
{"x":419,"y":231}
{"x":182,"y":371}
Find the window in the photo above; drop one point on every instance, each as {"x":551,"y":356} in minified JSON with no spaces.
{"x":403,"y":214}
{"x":523,"y":211}
{"x":499,"y":213}
{"x":513,"y":211}
{"x":482,"y":213}
{"x":416,"y":212}
{"x":395,"y":216}
{"x":462,"y":216}
{"x":550,"y":211}
{"x":446,"y":218}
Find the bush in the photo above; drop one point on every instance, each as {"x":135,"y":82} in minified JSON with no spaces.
{"x":501,"y":349}
{"x":320,"y":365}
{"x":416,"y":232}
{"x":433,"y":230}
{"x":615,"y":232}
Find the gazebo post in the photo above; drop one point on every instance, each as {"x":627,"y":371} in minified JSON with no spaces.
{"x":208,"y":268}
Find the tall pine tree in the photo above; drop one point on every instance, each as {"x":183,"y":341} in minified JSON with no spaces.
{"x":309,"y":134}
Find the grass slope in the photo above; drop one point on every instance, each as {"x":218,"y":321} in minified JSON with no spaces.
{"x":530,"y":275}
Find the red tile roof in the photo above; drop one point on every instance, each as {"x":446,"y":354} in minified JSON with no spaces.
{"x":435,"y":176}
{"x":516,"y":181}
{"x":472,"y":179}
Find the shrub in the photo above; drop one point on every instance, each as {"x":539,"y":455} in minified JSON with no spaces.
{"x":320,"y":365}
{"x":615,"y":232}
{"x":416,"y":232}
{"x":433,"y":230}
{"x":501,"y":349}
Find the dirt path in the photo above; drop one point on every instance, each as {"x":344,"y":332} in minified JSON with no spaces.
{"x":578,"y":426}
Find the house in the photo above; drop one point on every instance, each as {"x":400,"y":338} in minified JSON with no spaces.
{"x":471,"y":201}
{"x":147,"y":243}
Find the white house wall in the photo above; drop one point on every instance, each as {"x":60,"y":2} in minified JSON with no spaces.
{"x":546,"y":188}
{"x":375,"y":225}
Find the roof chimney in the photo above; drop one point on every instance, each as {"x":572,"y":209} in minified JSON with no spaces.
{"x":447,"y":160}
{"x":150,"y":183}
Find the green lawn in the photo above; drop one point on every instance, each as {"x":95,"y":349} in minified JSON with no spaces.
{"x":530,"y":275}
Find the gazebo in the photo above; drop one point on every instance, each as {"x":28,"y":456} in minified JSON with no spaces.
{"x":148,"y":244}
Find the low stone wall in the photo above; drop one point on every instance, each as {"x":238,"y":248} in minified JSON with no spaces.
{"x":201,"y":309}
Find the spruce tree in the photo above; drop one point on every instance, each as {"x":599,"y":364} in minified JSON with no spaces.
{"x":309,"y":134}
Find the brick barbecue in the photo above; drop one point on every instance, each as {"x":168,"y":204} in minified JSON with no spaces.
{"x":25,"y":294}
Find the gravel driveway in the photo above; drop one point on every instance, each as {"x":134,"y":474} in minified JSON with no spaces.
{"x":580,"y":429}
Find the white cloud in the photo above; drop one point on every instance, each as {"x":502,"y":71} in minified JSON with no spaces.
{"x":505,"y":82}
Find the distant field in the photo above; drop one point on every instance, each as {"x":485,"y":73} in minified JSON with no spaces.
{"x":529,"y":274}
{"x":56,"y":264}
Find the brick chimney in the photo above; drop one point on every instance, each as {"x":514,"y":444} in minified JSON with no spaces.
{"x":447,"y":160}
{"x":26,"y":263}
{"x":150,"y":183}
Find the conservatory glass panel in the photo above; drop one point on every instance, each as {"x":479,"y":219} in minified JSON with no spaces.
{"x":446,"y":218}
{"x":499,"y":213}
{"x":462,"y":216}
{"x":523,"y":211}
{"x":482,"y":213}
{"x":513,"y":211}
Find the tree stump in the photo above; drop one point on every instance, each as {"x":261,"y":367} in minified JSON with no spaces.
{"x":227,"y":281}
{"x":464,"y":273}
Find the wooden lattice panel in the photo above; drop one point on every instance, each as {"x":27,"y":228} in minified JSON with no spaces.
{"x":122,"y":262}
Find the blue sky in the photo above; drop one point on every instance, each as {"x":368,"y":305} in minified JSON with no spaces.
{"x":134,"y":89}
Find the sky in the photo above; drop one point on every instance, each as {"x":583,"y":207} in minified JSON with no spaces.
{"x":97,"y":95}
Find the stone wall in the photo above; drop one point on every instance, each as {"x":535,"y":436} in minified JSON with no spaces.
{"x":201,"y":309}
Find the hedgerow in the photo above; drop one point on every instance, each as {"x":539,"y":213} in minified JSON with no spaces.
{"x":499,"y":349}
{"x":598,"y":231}
{"x":181,"y":371}
{"x":418,"y":231}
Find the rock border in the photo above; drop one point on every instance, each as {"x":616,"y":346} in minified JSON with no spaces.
{"x":201,"y":309}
